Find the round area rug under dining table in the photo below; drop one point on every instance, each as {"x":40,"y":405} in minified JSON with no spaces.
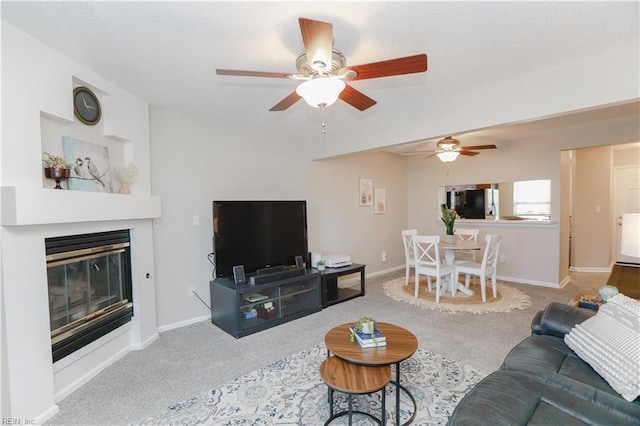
{"x":508,"y":299}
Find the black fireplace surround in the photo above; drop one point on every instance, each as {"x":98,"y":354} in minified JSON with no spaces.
{"x":89,"y":282}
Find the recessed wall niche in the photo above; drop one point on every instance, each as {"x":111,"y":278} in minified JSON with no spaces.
{"x":52,"y":130}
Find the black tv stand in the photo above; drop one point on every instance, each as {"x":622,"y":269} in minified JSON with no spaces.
{"x":331,"y":293}
{"x":243,"y":309}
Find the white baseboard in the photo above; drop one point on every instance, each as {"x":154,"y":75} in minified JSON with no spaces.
{"x":589,"y":269}
{"x":530,"y":282}
{"x":184,"y":323}
{"x":386,"y":271}
{"x":146,"y":343}
{"x":348,"y":282}
{"x":43,"y":417}
{"x":565,"y":281}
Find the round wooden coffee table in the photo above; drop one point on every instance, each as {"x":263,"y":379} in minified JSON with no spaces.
{"x":401,"y":345}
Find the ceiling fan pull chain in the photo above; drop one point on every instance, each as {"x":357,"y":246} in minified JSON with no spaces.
{"x":323,"y":126}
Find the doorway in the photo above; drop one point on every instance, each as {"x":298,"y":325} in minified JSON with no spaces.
{"x":626,"y":190}
{"x":601,"y":184}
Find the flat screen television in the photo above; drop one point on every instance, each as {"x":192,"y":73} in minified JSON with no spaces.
{"x":258,"y":234}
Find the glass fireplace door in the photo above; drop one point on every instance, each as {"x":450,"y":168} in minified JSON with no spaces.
{"x":83,"y":286}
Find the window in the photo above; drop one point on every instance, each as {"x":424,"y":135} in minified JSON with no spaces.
{"x":532,"y":199}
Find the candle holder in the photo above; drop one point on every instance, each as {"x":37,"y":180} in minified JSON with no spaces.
{"x":59,"y":174}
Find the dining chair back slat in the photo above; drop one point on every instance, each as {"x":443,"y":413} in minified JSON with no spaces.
{"x":409,"y":254}
{"x":467,"y":234}
{"x":487,"y":268}
{"x":428,"y":263}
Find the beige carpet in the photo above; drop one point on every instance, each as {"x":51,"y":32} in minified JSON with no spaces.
{"x":508,"y":298}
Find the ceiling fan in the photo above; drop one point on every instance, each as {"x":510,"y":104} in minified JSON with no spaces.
{"x":323,"y":70}
{"x":449,"y":148}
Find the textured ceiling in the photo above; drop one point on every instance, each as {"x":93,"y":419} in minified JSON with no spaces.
{"x":166,"y":52}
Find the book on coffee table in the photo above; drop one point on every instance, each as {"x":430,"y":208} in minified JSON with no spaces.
{"x":366,"y":340}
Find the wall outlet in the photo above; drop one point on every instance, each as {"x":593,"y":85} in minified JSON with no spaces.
{"x":196,"y":220}
{"x":503,"y":257}
{"x":384,"y":256}
{"x":192,"y":290}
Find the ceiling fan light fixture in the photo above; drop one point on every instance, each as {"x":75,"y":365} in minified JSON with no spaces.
{"x":448,"y":156}
{"x":321,"y":91}
{"x":448,"y":143}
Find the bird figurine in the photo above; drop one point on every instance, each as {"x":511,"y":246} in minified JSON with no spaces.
{"x":93,"y":171}
{"x":79,"y":167}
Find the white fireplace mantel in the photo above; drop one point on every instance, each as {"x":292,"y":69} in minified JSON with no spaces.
{"x":43,"y":206}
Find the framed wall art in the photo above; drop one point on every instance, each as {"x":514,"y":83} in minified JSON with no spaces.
{"x":365,"y":192}
{"x":380,"y":201}
{"x":90,"y":165}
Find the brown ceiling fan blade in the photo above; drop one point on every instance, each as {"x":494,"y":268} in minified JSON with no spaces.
{"x":286,"y":102}
{"x":317,"y":37}
{"x":356,"y":98}
{"x":479,"y":147}
{"x":429,"y":156}
{"x":407,"y":65}
{"x":242,"y":73}
{"x":469,"y":153}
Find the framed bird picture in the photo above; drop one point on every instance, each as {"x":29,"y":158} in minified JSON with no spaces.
{"x":90,"y":165}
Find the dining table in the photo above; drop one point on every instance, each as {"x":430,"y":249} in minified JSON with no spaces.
{"x":450,"y":258}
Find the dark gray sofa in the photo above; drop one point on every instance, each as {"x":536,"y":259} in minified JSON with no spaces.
{"x":543,"y":382}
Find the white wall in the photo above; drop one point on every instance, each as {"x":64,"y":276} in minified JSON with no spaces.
{"x":339,"y":225}
{"x":38,"y":82}
{"x":195,"y":162}
{"x":591,"y":213}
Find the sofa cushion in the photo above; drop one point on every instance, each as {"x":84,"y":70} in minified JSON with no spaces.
{"x":557,"y":319}
{"x":544,"y":356}
{"x":610,"y":343}
{"x":511,"y":397}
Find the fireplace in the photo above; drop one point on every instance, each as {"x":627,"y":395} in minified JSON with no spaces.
{"x":89,"y":283}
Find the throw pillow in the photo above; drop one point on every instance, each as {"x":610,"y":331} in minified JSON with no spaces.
{"x":610,"y":343}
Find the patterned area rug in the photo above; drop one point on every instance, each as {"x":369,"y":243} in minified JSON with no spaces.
{"x":508,"y":298}
{"x":291,"y":392}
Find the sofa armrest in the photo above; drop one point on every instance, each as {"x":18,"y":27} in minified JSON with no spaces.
{"x":557,"y":319}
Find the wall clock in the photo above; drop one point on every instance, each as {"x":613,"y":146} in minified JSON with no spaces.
{"x":86,"y":106}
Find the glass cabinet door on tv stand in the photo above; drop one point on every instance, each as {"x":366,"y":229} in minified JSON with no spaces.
{"x":244,"y":309}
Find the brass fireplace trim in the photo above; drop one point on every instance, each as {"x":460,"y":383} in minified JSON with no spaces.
{"x":75,"y":327}
{"x":66,"y":257}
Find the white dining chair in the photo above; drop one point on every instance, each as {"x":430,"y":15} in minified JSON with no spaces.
{"x":428,"y":263}
{"x":467,"y":234}
{"x":487,"y":268}
{"x":410,"y":259}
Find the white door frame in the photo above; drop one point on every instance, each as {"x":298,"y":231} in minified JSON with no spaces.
{"x":630,"y":187}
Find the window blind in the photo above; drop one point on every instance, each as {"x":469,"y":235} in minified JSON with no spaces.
{"x":532,"y":198}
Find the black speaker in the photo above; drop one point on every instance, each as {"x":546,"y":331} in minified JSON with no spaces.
{"x":309,"y":261}
{"x":299,"y":262}
{"x":238,"y":274}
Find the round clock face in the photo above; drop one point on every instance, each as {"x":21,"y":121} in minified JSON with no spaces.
{"x":86,"y":106}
